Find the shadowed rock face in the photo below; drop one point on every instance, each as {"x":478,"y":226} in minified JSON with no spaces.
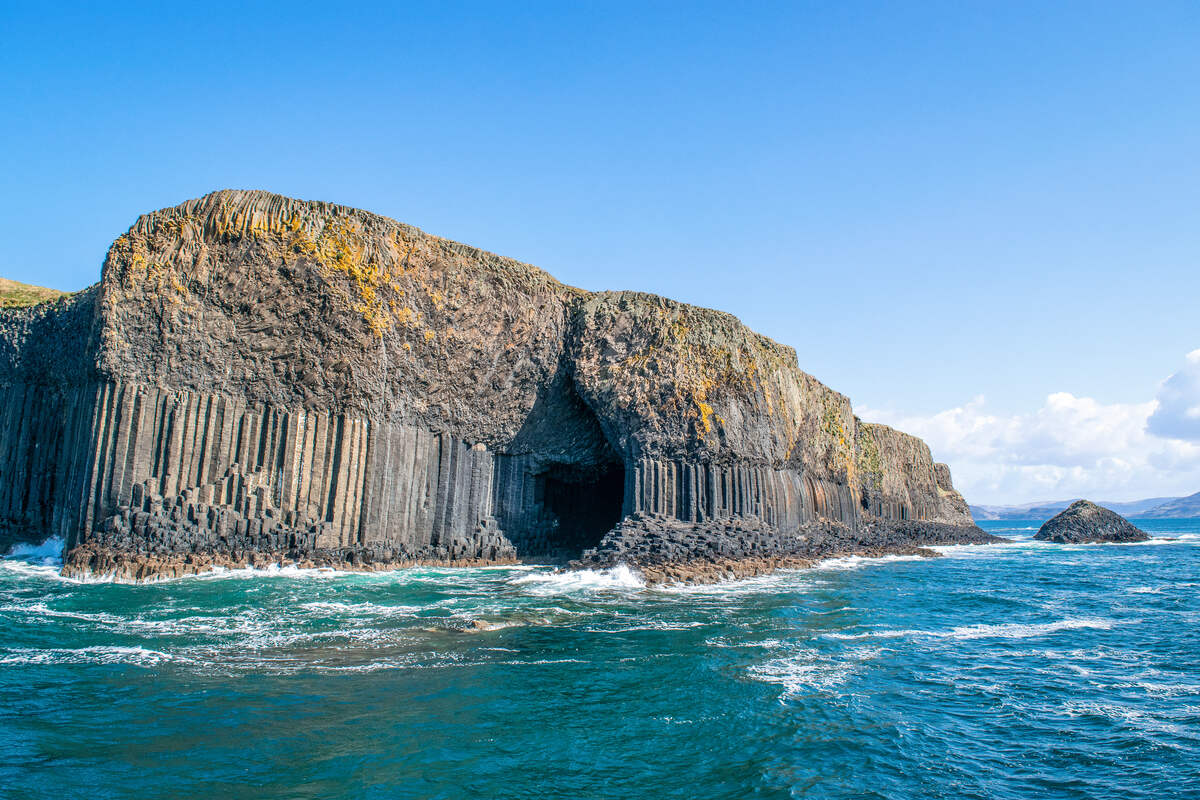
{"x":1083,"y":522}
{"x":259,"y":377}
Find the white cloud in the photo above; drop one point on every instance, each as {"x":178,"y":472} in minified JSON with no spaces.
{"x":1178,"y":412}
{"x":1070,"y":446}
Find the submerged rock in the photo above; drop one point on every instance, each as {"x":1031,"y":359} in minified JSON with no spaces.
{"x":257,"y":379}
{"x":1085,"y":522}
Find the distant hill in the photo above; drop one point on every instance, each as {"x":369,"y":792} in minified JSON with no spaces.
{"x":14,"y":294}
{"x":1048,"y":508}
{"x":1174,"y":507}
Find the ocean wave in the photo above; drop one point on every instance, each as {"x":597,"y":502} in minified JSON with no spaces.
{"x":991,"y":550}
{"x":1159,"y":539}
{"x":30,"y":560}
{"x":858,"y":562}
{"x":98,"y":654}
{"x":369,"y":609}
{"x":725,"y":641}
{"x":780,"y":580}
{"x":25,"y":569}
{"x":620,"y":577}
{"x":1122,"y":714}
{"x":42,"y":611}
{"x":448,"y":576}
{"x":1007,"y":630}
{"x":651,"y":625}
{"x":250,"y":627}
{"x":47,"y":553}
{"x":1157,"y":689}
{"x":808,"y":670}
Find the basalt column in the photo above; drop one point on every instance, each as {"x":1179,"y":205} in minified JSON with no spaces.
{"x":257,"y":376}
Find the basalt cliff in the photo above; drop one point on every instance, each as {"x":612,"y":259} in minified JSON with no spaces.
{"x":257,"y":379}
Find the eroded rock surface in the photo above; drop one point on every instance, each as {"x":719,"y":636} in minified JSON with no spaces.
{"x":1083,"y":522}
{"x":260,"y":377}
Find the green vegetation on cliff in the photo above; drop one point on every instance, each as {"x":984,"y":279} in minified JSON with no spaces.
{"x":14,"y":294}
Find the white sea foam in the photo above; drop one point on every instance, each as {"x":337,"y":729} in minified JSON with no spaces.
{"x":652,"y":625}
{"x":139,"y":656}
{"x":619,"y":577}
{"x":1157,"y":688}
{"x":1163,"y":539}
{"x":41,"y":611}
{"x":358,"y":609}
{"x":725,"y":641}
{"x":788,"y":580}
{"x":48,"y":553}
{"x":275,"y":570}
{"x":807,"y":670}
{"x":1008,"y":630}
{"x":26,"y":569}
{"x":858,"y":562}
{"x":1127,"y":715}
{"x":991,"y":550}
{"x":1016,"y":630}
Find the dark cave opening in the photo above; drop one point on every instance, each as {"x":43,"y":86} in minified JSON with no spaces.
{"x":582,"y":505}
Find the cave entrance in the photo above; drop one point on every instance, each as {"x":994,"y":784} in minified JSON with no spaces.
{"x":581,"y":506}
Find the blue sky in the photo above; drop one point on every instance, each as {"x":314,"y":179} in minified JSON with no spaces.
{"x":945,"y":207}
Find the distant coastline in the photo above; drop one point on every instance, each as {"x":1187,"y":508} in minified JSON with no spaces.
{"x":1150,"y":508}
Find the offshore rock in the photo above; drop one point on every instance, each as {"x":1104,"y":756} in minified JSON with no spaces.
{"x":1083,"y":522}
{"x":257,"y":379}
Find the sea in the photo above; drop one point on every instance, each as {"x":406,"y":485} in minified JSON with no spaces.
{"x":1021,"y":670}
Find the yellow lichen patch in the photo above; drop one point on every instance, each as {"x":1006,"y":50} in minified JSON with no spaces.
{"x":302,"y":243}
{"x":341,"y":251}
{"x":833,"y":425}
{"x":678,"y":330}
{"x":403,"y":315}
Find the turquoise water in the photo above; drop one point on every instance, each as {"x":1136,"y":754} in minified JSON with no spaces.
{"x":1014,"y":671}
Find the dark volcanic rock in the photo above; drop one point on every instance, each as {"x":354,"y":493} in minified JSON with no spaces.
{"x":666,"y":550}
{"x":1084,"y":522}
{"x":259,"y":379}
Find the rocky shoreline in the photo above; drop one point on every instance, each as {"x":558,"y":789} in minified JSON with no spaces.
{"x":664,"y":550}
{"x":91,"y":561}
{"x":701,"y":572}
{"x":661,"y":550}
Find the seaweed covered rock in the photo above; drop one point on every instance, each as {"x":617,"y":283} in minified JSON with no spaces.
{"x":1084,"y":522}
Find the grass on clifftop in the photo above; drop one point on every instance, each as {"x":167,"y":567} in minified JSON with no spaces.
{"x":19,"y":295}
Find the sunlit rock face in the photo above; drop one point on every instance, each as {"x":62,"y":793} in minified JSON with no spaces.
{"x":256,"y":377}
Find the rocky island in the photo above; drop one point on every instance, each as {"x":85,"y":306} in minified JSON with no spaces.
{"x":1084,"y":522}
{"x":257,"y":379}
